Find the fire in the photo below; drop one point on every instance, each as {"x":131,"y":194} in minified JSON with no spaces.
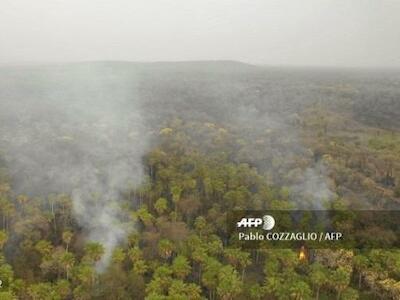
{"x":302,"y":254}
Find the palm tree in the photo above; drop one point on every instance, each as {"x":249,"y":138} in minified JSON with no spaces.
{"x":45,"y":248}
{"x":140,"y":267}
{"x":176,"y":196}
{"x":318,"y":277}
{"x":67,"y":237}
{"x":239,"y":259}
{"x":67,"y":261}
{"x":229,"y":284}
{"x":199,"y":255}
{"x":210,"y":276}
{"x":161,"y":206}
{"x":85,"y":274}
{"x":340,"y":280}
{"x":360,"y":262}
{"x":42,"y":291}
{"x":273,"y":285}
{"x":118,"y":256}
{"x":181,"y":267}
{"x":94,"y":251}
{"x":300,"y":290}
{"x":135,"y":254}
{"x":165,"y":248}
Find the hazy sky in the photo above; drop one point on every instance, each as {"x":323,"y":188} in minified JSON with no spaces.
{"x":282,"y":32}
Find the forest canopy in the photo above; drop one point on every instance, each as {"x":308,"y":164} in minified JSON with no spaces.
{"x":116,"y":178}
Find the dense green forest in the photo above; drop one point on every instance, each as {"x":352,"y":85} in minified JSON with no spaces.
{"x":215,"y":137}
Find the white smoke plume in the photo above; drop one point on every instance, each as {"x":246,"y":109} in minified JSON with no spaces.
{"x":313,"y":190}
{"x":75,"y":129}
{"x":309,"y":186}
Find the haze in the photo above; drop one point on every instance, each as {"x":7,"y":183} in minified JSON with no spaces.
{"x":354,"y":33}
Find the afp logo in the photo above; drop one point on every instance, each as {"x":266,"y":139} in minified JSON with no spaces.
{"x":267,"y":222}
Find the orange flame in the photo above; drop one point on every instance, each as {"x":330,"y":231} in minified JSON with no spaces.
{"x":302,"y":254}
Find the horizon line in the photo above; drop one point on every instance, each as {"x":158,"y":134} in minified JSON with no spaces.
{"x":251,"y":64}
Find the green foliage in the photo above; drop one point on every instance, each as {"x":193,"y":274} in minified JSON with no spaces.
{"x":180,"y":267}
{"x":6,"y":275}
{"x":94,"y":251}
{"x":350,"y":294}
{"x":7,"y":296}
{"x":43,"y":291}
{"x":161,"y":206}
{"x":340,"y":279}
{"x":229,"y":283}
{"x":196,"y":174}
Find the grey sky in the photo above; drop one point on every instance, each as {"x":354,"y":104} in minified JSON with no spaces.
{"x":308,"y":32}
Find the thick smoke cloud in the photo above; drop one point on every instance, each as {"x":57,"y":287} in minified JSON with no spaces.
{"x":75,"y":129}
{"x":81,"y":129}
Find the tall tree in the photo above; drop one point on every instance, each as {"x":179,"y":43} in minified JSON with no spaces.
{"x":229,"y":283}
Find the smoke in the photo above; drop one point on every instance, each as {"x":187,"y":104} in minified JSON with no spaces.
{"x":75,"y":129}
{"x":81,"y":129}
{"x":262,"y":107}
{"x":309,"y":184}
{"x":313,"y":190}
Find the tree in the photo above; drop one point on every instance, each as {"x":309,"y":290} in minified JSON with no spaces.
{"x":7,"y":295}
{"x":300,"y":290}
{"x":229,"y":283}
{"x":63,"y":288}
{"x":160,"y":282}
{"x":350,"y":294}
{"x":176,"y":192}
{"x":67,"y":261}
{"x":6,"y":275}
{"x":118,"y":255}
{"x":340,"y":279}
{"x":82,"y":293}
{"x":85,"y":275}
{"x":360,"y":262}
{"x":214,"y":246}
{"x":43,"y":291}
{"x":136,"y":286}
{"x":19,"y":288}
{"x":67,"y":237}
{"x":189,"y":205}
{"x":193,"y":291}
{"x":161,"y":205}
{"x":200,"y":224}
{"x":179,"y":290}
{"x":181,"y":267}
{"x":239,"y":259}
{"x":140,"y":267}
{"x":318,"y":277}
{"x":45,"y":248}
{"x":165,"y":248}
{"x":199,"y":255}
{"x":274,"y":285}
{"x":256,"y":292}
{"x":143,"y":215}
{"x":210,"y":275}
{"x":94,"y":251}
